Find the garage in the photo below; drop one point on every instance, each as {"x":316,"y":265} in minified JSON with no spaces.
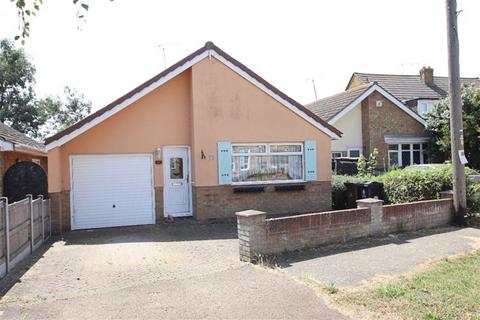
{"x":111,"y":191}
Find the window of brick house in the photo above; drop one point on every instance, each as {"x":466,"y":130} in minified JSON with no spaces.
{"x":354,"y":152}
{"x":404,"y":155}
{"x":267,"y":162}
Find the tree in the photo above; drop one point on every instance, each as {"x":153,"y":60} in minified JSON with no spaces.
{"x":17,"y":97}
{"x":19,"y":107}
{"x":372,"y":162}
{"x":366,"y":167}
{"x":362,"y":166}
{"x":58,"y":113}
{"x":29,"y":8}
{"x":438,"y":128}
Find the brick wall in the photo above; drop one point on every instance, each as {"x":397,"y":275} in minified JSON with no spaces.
{"x":387,"y":120}
{"x":221,"y":202}
{"x":311,"y":230}
{"x":159,"y":204}
{"x":60,"y":206}
{"x":261,"y":236}
{"x":416,"y":215}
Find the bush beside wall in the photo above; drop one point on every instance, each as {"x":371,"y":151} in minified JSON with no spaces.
{"x":409,"y":185}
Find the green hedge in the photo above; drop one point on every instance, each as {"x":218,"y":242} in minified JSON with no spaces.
{"x":411,"y":184}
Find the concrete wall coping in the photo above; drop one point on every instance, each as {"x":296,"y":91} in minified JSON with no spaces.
{"x":250,"y":213}
{"x":370,"y":201}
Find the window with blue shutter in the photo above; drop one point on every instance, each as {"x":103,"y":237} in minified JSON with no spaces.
{"x":224,"y":162}
{"x":310,"y":160}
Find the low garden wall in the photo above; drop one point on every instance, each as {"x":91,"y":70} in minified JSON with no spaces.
{"x":261,"y":236}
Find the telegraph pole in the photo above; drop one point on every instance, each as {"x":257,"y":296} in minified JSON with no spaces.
{"x":456,"y":120}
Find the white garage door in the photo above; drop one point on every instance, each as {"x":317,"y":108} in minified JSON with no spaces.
{"x":111,"y":191}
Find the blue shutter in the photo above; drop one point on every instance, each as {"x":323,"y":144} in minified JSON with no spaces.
{"x":224,"y":162}
{"x":310,"y":160}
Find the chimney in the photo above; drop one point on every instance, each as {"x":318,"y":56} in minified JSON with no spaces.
{"x":426,"y":74}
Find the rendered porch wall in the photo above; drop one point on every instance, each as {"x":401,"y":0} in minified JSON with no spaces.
{"x":260,"y":236}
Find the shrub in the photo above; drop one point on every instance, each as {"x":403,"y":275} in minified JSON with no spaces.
{"x":409,"y":185}
{"x":413,"y":184}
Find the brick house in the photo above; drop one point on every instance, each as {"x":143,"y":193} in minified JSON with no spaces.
{"x":205,"y":138}
{"x":15,"y":146}
{"x":386,"y":112}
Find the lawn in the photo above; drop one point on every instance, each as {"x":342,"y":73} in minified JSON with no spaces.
{"x":448,"y":289}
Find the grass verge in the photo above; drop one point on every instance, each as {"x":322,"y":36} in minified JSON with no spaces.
{"x":448,"y":289}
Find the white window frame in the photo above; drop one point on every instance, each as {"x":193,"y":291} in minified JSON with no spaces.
{"x":354,"y":149}
{"x":339,"y":153}
{"x":429,"y":103}
{"x":269,"y":153}
{"x":399,"y":153}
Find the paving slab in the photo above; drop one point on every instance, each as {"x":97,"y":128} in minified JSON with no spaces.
{"x":353,"y":263}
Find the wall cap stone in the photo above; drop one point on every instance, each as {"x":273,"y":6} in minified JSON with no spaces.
{"x":250,"y":213}
{"x":370,"y":201}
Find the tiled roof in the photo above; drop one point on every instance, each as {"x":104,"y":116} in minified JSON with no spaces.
{"x":19,"y":139}
{"x":328,"y":107}
{"x":208,"y":46}
{"x":411,"y":87}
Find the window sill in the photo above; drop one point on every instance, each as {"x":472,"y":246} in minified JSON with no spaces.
{"x":260,"y":183}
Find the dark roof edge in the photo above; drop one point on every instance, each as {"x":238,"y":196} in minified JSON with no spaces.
{"x":209,"y":45}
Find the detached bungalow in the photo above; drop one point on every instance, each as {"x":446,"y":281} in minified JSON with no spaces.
{"x":205,"y":138}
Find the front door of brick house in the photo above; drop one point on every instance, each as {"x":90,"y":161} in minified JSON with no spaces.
{"x":177,"y":186}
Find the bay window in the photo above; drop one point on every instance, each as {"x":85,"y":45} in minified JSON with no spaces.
{"x":262,"y":162}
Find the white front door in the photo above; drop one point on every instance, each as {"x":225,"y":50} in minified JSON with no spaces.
{"x":177,"y":187}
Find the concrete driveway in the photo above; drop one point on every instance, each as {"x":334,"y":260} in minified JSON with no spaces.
{"x":161,"y":271}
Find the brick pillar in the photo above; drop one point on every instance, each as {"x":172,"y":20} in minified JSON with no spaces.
{"x":252,"y":234}
{"x":376,"y":214}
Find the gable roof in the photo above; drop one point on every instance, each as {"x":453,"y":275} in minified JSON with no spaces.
{"x":206,"y":51}
{"x":327,"y":108}
{"x":335,"y":107}
{"x":411,"y":87}
{"x":19,"y":140}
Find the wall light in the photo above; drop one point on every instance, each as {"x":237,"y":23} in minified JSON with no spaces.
{"x":158,"y":153}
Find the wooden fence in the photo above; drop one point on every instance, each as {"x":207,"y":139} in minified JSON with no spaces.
{"x":25,"y":225}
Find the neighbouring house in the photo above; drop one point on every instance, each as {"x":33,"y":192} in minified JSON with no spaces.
{"x":15,"y":147}
{"x":206,"y":138}
{"x":385,"y":112}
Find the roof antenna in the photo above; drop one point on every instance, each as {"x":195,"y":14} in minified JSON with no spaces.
{"x":163,"y":47}
{"x":314,"y":88}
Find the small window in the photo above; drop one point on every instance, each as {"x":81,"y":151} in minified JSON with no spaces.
{"x":424,"y":107}
{"x":336,"y":155}
{"x":176,"y":168}
{"x":354,"y":153}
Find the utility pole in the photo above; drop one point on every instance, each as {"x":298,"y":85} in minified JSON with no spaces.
{"x":456,"y":119}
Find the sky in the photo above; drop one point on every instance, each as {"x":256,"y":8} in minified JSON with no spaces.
{"x":288,"y":43}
